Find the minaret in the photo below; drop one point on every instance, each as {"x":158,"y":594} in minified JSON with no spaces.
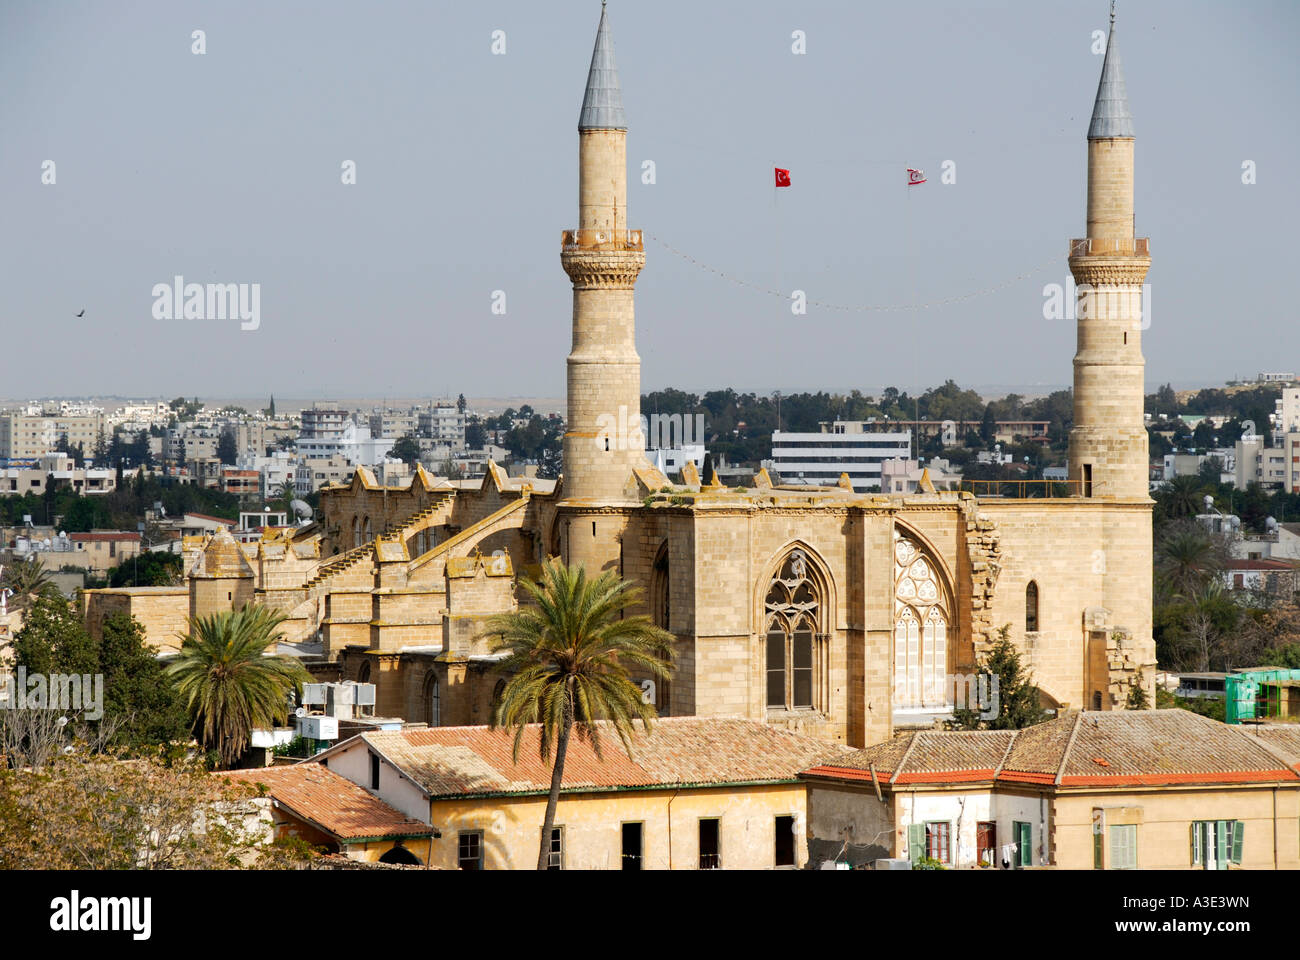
{"x":603,"y":258}
{"x":1108,"y":443}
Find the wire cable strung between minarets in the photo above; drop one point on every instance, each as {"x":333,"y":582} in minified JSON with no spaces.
{"x":859,"y":308}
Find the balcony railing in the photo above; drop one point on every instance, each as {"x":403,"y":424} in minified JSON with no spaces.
{"x":602,"y":240}
{"x":1025,"y":489}
{"x":1111,"y":247}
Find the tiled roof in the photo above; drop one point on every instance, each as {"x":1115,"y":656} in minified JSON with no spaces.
{"x":1091,"y":748}
{"x":1283,"y":739}
{"x":320,"y":796}
{"x":927,"y":756}
{"x":452,"y":761}
{"x":1258,"y":565}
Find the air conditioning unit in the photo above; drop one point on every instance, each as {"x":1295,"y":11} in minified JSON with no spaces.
{"x":313,"y":693}
{"x":343,"y":694}
{"x":319,"y":728}
{"x":365,"y":694}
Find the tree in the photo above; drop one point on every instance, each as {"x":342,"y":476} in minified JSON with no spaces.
{"x":988,"y":426}
{"x":137,"y":693}
{"x":475,"y":434}
{"x":1016,"y":696}
{"x":1187,"y":558}
{"x":407,"y":449}
{"x":54,"y":640}
{"x":568,"y":659}
{"x":227,"y":445}
{"x":1181,"y":497}
{"x":228,"y":684}
{"x":28,"y":579}
{"x":96,"y":813}
{"x":150,"y":569}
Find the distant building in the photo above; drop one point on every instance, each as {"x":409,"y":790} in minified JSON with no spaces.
{"x":818,"y":459}
{"x":1260,"y":576}
{"x":33,"y":475}
{"x":443,"y":422}
{"x":34,"y":436}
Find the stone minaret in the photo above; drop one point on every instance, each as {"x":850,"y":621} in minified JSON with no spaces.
{"x":603,"y":257}
{"x":1108,"y":444}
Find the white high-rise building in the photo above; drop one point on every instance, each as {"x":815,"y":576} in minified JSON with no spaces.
{"x":818,"y":459}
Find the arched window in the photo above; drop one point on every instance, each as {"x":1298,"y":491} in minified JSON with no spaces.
{"x":793,"y":608}
{"x":660,"y":589}
{"x":432,"y":701}
{"x":363,"y":672}
{"x":921,"y":618}
{"x":1031,"y":607}
{"x":356,"y":531}
{"x":368,"y":535}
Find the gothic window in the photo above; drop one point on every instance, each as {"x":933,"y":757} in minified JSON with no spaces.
{"x":792,"y":649}
{"x":921,"y":619}
{"x":356,"y":531}
{"x":1031,"y":607}
{"x":432,"y":701}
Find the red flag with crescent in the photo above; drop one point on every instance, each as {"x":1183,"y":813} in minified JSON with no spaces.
{"x":915,"y":177}
{"x":782,"y":177}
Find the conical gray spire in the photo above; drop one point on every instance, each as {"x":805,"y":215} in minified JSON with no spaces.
{"x":1110,"y":116}
{"x":602,"y":107}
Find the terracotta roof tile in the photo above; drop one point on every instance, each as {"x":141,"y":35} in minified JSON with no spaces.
{"x":451,"y":761}
{"x":1093,"y":748}
{"x":319,"y":795}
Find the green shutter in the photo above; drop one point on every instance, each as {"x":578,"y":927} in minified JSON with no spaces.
{"x":1096,"y":850}
{"x":1024,"y":844}
{"x":916,"y":841}
{"x":1196,"y":843}
{"x":1238,"y":835}
{"x":1221,"y":845}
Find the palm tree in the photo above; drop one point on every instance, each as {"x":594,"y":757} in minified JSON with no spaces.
{"x":1187,"y":558}
{"x":568,"y":660}
{"x":1182,"y":497}
{"x":28,"y":579}
{"x":227,"y":681}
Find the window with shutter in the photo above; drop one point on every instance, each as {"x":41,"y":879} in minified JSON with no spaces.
{"x":1238,"y":838}
{"x":916,"y":841}
{"x":1123,"y":846}
{"x":1024,"y":844}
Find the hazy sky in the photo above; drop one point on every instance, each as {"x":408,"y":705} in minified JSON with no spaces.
{"x":226,"y":167}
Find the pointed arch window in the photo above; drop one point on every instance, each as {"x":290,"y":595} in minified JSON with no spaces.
{"x":921,"y":619}
{"x":794,"y":643}
{"x":432,"y":701}
{"x":1031,"y":607}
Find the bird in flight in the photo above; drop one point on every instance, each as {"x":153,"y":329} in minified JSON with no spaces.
{"x":82,"y":313}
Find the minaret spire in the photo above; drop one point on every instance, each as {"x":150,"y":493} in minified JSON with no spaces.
{"x":602,"y":107}
{"x":1110,"y":114}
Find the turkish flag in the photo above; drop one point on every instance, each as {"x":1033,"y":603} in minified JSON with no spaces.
{"x":782,"y":177}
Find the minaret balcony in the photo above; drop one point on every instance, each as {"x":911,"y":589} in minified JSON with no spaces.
{"x":1111,"y":247}
{"x":602,"y":240}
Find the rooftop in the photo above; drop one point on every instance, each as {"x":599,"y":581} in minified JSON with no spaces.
{"x":678,"y":752}
{"x":1122,"y":748}
{"x":338,"y":806}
